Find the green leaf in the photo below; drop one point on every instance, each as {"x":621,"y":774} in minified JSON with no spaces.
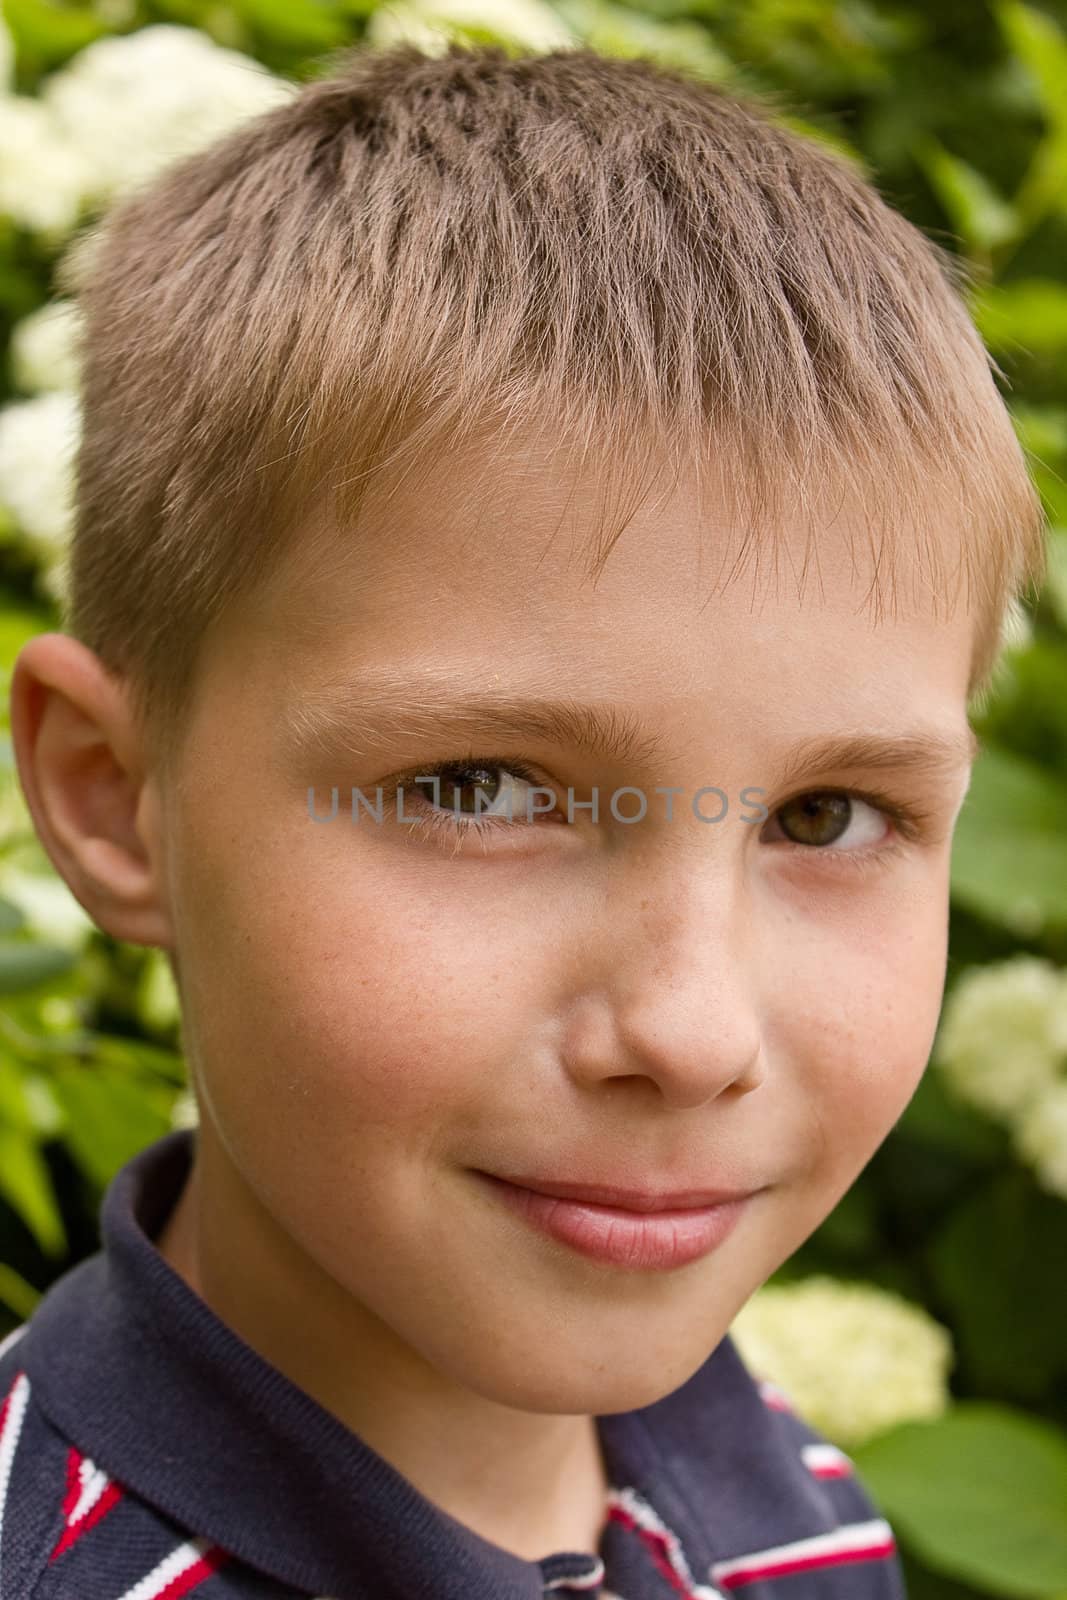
{"x":46,"y":34}
{"x":158,"y":1001}
{"x":1044,"y":189}
{"x":1041,"y":428}
{"x":1009,"y":1304}
{"x":305,"y":25}
{"x":18,"y":624}
{"x":1030,"y":314}
{"x":1009,"y":855}
{"x":1042,"y":47}
{"x":26,"y":1184}
{"x":15,"y":1293}
{"x":934,"y":1118}
{"x":110,"y":1116}
{"x":851,"y":1229}
{"x":12,"y":917}
{"x":1027,"y":715}
{"x":981,"y":217}
{"x":138,"y":1056}
{"x":23,"y":966}
{"x":14,"y":1107}
{"x":1056,"y":575}
{"x":614,"y":30}
{"x":922,"y":1584}
{"x":980,"y":1494}
{"x":826,"y":136}
{"x":46,"y":1117}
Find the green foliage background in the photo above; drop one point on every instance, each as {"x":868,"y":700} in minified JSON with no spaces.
{"x":958,"y":110}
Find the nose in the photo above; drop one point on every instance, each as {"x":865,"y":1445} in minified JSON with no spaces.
{"x":673,"y":999}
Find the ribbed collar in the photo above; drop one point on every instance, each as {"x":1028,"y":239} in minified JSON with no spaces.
{"x":132,"y":1366}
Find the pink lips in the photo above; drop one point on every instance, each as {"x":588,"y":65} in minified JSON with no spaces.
{"x":645,"y":1239}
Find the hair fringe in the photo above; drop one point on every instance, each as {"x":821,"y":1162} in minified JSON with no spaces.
{"x":419,"y":251}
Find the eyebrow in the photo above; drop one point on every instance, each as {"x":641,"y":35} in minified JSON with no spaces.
{"x":358,"y":716}
{"x":354,"y":718}
{"x":923,"y":753}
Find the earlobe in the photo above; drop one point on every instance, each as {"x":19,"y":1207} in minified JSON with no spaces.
{"x":92,"y":802}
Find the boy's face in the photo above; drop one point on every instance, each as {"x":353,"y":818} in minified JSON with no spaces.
{"x":376,"y":1012}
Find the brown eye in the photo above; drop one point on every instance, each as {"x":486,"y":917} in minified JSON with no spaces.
{"x":458,"y":783}
{"x":818,"y":818}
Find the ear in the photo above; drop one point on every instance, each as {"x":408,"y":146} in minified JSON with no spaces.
{"x":95,"y":808}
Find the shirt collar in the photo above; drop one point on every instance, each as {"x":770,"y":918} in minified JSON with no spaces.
{"x":133,"y":1367}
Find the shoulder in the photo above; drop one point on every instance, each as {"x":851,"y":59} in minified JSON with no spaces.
{"x":71,"y":1531}
{"x":32,"y":1467}
{"x":723,"y":1482}
{"x":836,"y":1536}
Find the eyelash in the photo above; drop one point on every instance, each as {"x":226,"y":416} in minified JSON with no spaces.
{"x":908,"y":819}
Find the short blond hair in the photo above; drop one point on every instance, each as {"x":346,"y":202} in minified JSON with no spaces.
{"x":414,"y":244}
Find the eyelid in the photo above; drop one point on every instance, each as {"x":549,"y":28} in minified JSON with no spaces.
{"x":449,"y":827}
{"x":859,"y":862}
{"x":434,"y":769}
{"x":908,"y":818}
{"x":457,"y":824}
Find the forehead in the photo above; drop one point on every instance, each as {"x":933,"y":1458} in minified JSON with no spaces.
{"x":485,"y":560}
{"x":528,"y":522}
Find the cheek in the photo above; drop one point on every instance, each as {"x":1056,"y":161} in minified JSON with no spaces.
{"x":324,"y":984}
{"x":861,"y":1040}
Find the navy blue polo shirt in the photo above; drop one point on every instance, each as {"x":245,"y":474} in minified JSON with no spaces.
{"x":148,"y":1453}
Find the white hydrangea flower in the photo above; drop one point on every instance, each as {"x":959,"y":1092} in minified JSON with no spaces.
{"x":42,"y":174}
{"x":852,"y":1358}
{"x":53,"y":580}
{"x":1040,"y":1138}
{"x":135,"y":102}
{"x":44,"y":348}
{"x":38,"y":450}
{"x":183,"y":1112}
{"x":1003,"y":1034}
{"x":430,"y":24}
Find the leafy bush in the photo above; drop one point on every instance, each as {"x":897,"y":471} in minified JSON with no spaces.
{"x":934,"y":1298}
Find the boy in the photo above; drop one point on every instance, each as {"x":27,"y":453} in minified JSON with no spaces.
{"x":521,"y":1066}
